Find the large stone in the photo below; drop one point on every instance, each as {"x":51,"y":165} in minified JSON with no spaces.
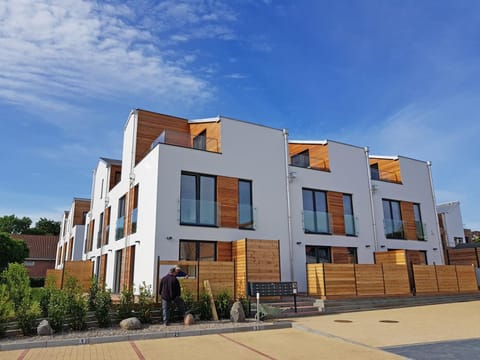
{"x":131,"y":324}
{"x":189,"y":320}
{"x":236,"y":313}
{"x":44,"y":328}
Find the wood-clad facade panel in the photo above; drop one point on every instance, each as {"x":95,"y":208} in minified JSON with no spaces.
{"x":103,"y":270}
{"x":224,"y":251}
{"x":389,"y":169}
{"x":150,"y":125}
{"x":397,"y":257}
{"x":239,"y":256}
{"x":213,"y":134}
{"x":115,"y":176}
{"x":227,"y":197}
{"x":408,"y":218}
{"x":318,"y":154}
{"x":335,"y":209}
{"x":342,"y":255}
{"x":70,"y":249}
{"x":106,"y":226}
{"x":81,"y":207}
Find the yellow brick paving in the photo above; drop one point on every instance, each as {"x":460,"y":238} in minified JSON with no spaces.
{"x":316,"y":337}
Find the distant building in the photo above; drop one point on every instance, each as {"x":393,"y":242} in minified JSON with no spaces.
{"x":42,"y":250}
{"x":451,"y":224}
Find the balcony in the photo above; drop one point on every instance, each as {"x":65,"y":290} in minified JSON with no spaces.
{"x":383,"y":175}
{"x":351,"y":225}
{"x":134,"y":220}
{"x":421,"y":229}
{"x":393,"y":229}
{"x":119,"y":231}
{"x":177,"y":138}
{"x":199,"y":212}
{"x":316,"y":222}
{"x":309,"y":162}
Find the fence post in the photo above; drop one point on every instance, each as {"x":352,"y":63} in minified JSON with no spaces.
{"x":436,"y":276}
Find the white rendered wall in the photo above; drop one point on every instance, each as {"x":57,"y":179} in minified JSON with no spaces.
{"x":348,"y":174}
{"x":452,"y":220}
{"x":415,"y":187}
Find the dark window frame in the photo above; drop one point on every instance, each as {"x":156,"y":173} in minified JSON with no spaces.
{"x":417,"y":217}
{"x":250,"y":225}
{"x":317,"y":249}
{"x":301,"y":159}
{"x":315,"y":207}
{"x":117,"y":271}
{"x":198,"y":198}
{"x":200,"y":141}
{"x":398,"y":235}
{"x":198,"y":244}
{"x":354,"y":226}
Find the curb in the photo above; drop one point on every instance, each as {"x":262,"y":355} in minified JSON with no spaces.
{"x":146,"y":336}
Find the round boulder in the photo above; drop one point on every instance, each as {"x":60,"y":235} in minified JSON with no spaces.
{"x":131,"y":324}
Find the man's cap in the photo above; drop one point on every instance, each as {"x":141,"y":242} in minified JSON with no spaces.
{"x":177,"y":267}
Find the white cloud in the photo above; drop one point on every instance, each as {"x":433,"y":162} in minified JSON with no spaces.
{"x":235,"y":76}
{"x":55,"y":52}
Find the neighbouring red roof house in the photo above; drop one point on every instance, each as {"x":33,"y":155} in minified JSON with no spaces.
{"x":43,"y":250}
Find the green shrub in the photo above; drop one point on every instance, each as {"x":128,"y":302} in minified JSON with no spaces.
{"x":57,"y":309}
{"x":126,"y":307}
{"x":76,"y":304}
{"x":92,"y":294}
{"x":27,"y":314}
{"x":18,"y":284}
{"x":190,"y":305}
{"x":223,"y":303}
{"x":203,"y":307}
{"x":103,"y":304}
{"x":245,"y":305}
{"x":6,"y":308}
{"x":45,"y":294}
{"x":145,"y":303}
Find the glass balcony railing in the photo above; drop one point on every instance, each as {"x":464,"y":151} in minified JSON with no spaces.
{"x":351,"y":225}
{"x":199,"y":212}
{"x":393,"y":229}
{"x":134,"y":220}
{"x":119,"y":231}
{"x":317,"y":222}
{"x":246,"y":216}
{"x":309,"y":162}
{"x":382,"y":175}
{"x":172,"y":137}
{"x":421,"y":230}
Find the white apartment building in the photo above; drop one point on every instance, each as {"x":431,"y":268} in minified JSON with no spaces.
{"x":72,"y":233}
{"x":185,"y":189}
{"x":451,"y":223}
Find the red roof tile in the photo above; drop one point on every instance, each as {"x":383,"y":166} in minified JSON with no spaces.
{"x":40,"y":246}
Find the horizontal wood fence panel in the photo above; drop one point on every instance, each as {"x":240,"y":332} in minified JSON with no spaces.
{"x":56,"y":275}
{"x":315,"y":280}
{"x":396,"y":279}
{"x":467,"y":280}
{"x":425,"y":279}
{"x":446,"y":279}
{"x":340,"y":280}
{"x":369,"y":279}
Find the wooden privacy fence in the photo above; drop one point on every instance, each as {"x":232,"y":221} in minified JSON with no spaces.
{"x":445,"y":279}
{"x":466,"y":256}
{"x":81,"y":270}
{"x":220,"y":275}
{"x":350,"y":280}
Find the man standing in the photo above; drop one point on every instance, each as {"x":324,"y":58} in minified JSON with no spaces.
{"x":170,"y":291}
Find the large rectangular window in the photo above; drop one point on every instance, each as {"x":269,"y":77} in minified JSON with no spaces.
{"x":349,"y":219}
{"x":120,"y":218}
{"x":318,"y":254}
{"x":315,"y":214}
{"x":117,"y":272}
{"x":245,"y":209}
{"x":198,"y":250}
{"x":100,"y":231}
{"x":393,"y":223}
{"x":418,"y":222}
{"x":198,"y":200}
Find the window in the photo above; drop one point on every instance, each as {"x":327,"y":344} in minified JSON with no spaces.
{"x":120,"y":218}
{"x":301,"y":159}
{"x":107,"y":224}
{"x":84,"y":218}
{"x":85,"y":248}
{"x":200,"y":141}
{"x":348,"y":215}
{"x":198,"y":200}
{"x":418,"y":222}
{"x":245,"y":210}
{"x":198,"y":250}
{"x":135,"y":209}
{"x":393,"y":219}
{"x":318,"y":254}
{"x":315,"y":215}
{"x":118,"y":177}
{"x":97,"y":267}
{"x":374,"y":172}
{"x":100,"y":231}
{"x":117,"y":272}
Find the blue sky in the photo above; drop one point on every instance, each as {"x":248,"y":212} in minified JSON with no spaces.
{"x":401,"y":77}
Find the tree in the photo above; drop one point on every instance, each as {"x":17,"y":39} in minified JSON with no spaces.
{"x":13,"y":251}
{"x":14,"y":225}
{"x":47,"y":227}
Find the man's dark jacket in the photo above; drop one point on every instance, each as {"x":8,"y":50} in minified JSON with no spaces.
{"x":169,"y":287}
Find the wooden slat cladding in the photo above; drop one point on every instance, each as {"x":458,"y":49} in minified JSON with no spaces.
{"x":115,"y":176}
{"x":128,"y":266}
{"x":213,"y":134}
{"x":239,"y":256}
{"x":446,"y":278}
{"x":263,"y":260}
{"x":467,"y":280}
{"x":70,"y":249}
{"x":408,"y":218}
{"x":227,"y":197}
{"x":342,"y":255}
{"x":318,"y":154}
{"x":467,"y":256}
{"x":224,"y":251}
{"x":103,"y":270}
{"x":80,"y":208}
{"x":335,"y":209}
{"x":396,"y":279}
{"x":416,"y":257}
{"x":90,"y":235}
{"x":369,"y":280}
{"x":340,"y":279}
{"x":425,"y":279}
{"x":389,"y":169}
{"x":150,"y":125}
